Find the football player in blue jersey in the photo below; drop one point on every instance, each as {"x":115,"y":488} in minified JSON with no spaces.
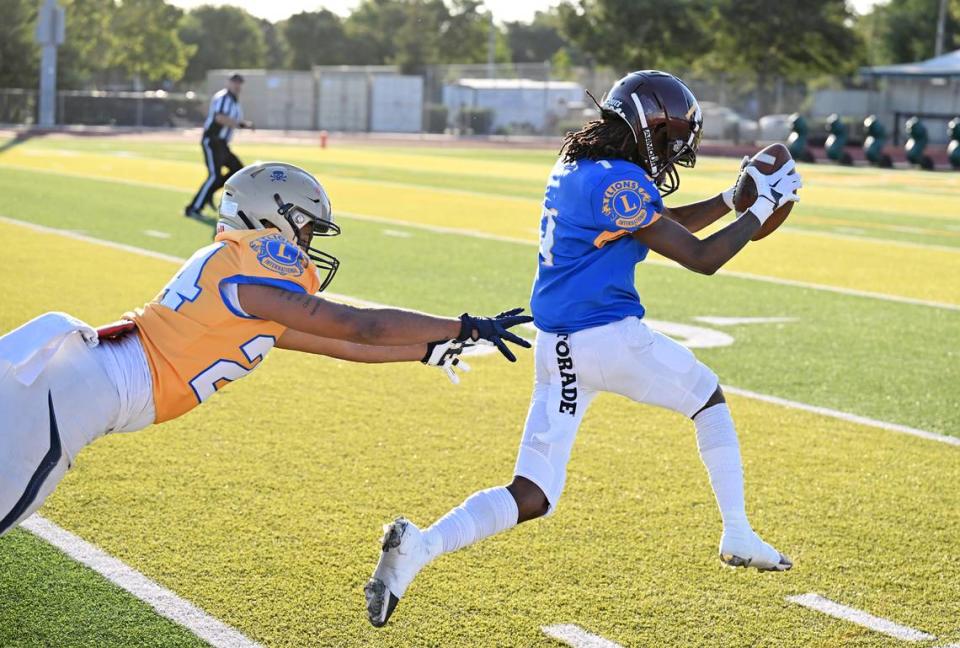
{"x":603,"y":212}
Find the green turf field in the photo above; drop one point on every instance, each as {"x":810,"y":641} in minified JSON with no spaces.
{"x":267,"y":515}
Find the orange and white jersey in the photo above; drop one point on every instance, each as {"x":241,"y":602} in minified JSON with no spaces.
{"x":196,"y":336}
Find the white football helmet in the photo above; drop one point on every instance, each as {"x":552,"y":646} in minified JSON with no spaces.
{"x":284,"y":197}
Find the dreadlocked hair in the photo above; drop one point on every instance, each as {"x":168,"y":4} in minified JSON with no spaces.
{"x":600,"y":139}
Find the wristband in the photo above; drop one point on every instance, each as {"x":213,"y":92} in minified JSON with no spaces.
{"x":762,"y":208}
{"x":728,"y":198}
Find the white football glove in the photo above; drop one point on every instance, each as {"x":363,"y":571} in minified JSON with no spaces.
{"x":774,"y":190}
{"x":446,"y":355}
{"x":728,"y":194}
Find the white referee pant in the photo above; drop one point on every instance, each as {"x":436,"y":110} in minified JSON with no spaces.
{"x":623,"y":357}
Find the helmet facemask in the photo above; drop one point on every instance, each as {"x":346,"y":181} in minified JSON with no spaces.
{"x":679,"y":152}
{"x":306,"y":226}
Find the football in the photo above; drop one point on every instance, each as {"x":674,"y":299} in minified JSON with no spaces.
{"x":767,"y":160}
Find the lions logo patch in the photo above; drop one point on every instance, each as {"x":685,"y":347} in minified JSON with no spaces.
{"x":279,"y":255}
{"x":627,"y":204}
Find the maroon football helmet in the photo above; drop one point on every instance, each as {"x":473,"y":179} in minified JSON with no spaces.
{"x":665,"y":119}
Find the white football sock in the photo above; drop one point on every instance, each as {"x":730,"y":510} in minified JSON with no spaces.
{"x":483,"y":514}
{"x":720,"y":452}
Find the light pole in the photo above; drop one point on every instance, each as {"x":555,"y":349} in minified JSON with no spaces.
{"x":49,"y":35}
{"x":941,"y":23}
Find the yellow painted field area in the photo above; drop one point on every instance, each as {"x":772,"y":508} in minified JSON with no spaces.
{"x":860,"y":264}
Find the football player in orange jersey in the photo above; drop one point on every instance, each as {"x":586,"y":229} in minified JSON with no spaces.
{"x":64,"y":384}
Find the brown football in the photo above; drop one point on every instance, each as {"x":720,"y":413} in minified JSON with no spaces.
{"x":767,"y":161}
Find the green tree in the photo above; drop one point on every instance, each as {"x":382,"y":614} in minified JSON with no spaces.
{"x":540,"y":40}
{"x":463,"y":30}
{"x":18,"y":52}
{"x":637,"y":34}
{"x":414,"y":33}
{"x":278,"y":53}
{"x":796,"y":40}
{"x":370,"y":29}
{"x":89,"y":44}
{"x":224,"y":37}
{"x":148,"y":47}
{"x":904,"y":31}
{"x":316,"y":38}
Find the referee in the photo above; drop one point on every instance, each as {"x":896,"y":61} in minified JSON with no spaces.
{"x":224,"y":117}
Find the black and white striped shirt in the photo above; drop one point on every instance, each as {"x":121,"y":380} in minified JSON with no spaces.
{"x":222,"y":102}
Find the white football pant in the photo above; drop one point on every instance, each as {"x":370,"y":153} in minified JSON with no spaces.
{"x":73,"y":400}
{"x":625,"y":358}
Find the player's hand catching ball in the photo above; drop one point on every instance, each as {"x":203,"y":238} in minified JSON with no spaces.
{"x":446,"y":355}
{"x":774,"y":190}
{"x":495,"y":330}
{"x":728,"y":194}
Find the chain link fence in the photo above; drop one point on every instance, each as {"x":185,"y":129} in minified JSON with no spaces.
{"x":512,"y":99}
{"x":94,"y":108}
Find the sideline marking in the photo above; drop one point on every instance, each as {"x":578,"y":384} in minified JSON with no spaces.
{"x":512,"y":239}
{"x":820,"y":604}
{"x":854,"y":292}
{"x":165,"y":602}
{"x":156,"y":234}
{"x":692,"y":337}
{"x":574,"y":635}
{"x":734,"y":321}
{"x":871,"y":239}
{"x":776,"y":400}
{"x":845,"y":416}
{"x":828,"y":233}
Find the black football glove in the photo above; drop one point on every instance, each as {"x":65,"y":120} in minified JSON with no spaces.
{"x":494,"y":330}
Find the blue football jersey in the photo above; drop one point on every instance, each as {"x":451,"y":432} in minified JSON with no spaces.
{"x":585,"y":276}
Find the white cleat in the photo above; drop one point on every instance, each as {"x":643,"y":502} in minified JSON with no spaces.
{"x":748,"y":550}
{"x":404,"y":554}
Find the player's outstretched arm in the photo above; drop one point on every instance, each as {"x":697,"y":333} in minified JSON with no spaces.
{"x":444,"y":354}
{"x":705,"y":256}
{"x":695,"y":216}
{"x":354,"y":352}
{"x":375,"y":326}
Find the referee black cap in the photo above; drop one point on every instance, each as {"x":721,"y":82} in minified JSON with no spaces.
{"x":236,"y":76}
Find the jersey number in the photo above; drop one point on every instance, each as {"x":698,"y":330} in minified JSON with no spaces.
{"x":210,"y":379}
{"x":548,"y":225}
{"x":185,"y":287}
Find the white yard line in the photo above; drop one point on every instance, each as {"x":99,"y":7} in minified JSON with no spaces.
{"x":776,"y":400}
{"x":96,"y":241}
{"x":853,"y":615}
{"x":737,"y":321}
{"x":873,"y":239}
{"x":165,"y":602}
{"x":532,"y":242}
{"x":574,"y":635}
{"x":853,"y":292}
{"x":845,"y":416}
